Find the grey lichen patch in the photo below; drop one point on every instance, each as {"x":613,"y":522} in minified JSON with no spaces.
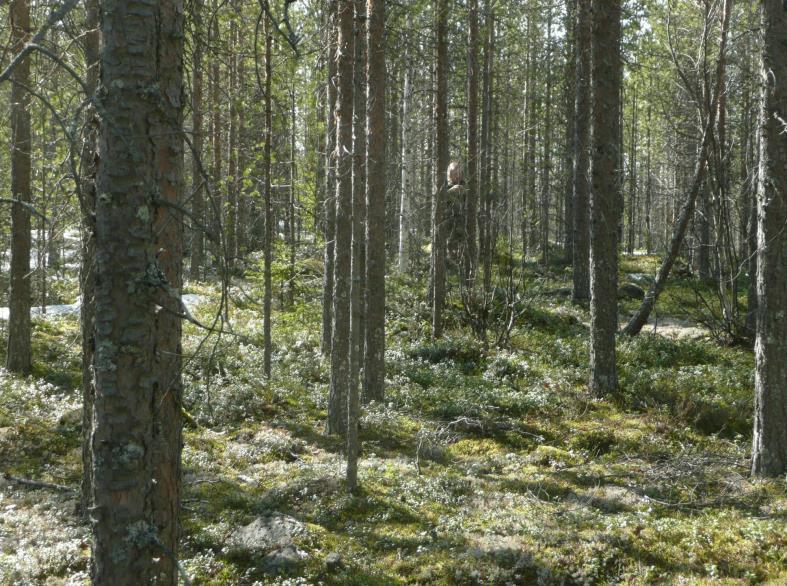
{"x":141,"y":534}
{"x":106,"y":353}
{"x":128,"y":455}
{"x":143,"y":213}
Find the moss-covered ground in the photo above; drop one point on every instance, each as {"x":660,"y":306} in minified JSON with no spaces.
{"x":482,"y":466}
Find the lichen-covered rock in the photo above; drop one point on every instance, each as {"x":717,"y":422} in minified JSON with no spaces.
{"x":273,"y":531}
{"x":631,"y":291}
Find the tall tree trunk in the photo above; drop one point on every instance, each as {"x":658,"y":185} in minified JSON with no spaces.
{"x":197,"y":180}
{"x":769,"y":451}
{"x":546,"y":163}
{"x":527,"y":170}
{"x":374,"y":363}
{"x":216,"y":132}
{"x":632,"y":207}
{"x":471,"y":193}
{"x":487,"y":184}
{"x":242,"y":214}
{"x":230,"y":215}
{"x":330,"y":181}
{"x":267,"y":202}
{"x":19,"y":353}
{"x":605,"y":195}
{"x":87,"y":204}
{"x":137,"y":435}
{"x":408,"y":163}
{"x":571,"y":121}
{"x":649,"y":193}
{"x":292,"y":203}
{"x":357,"y":268}
{"x":441,"y":147}
{"x":581,"y":259}
{"x":340,"y":342}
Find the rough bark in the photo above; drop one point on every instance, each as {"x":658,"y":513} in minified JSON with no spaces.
{"x":581,"y":256}
{"x":19,"y":352}
{"x":605,"y":212}
{"x":137,"y":433}
{"x":340,"y":341}
{"x":769,"y":451}
{"x":374,"y":356}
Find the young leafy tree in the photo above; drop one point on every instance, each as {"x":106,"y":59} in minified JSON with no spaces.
{"x":769,"y":457}
{"x":136,"y":439}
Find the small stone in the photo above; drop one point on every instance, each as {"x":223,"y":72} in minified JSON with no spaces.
{"x":281,"y":561}
{"x":266,"y":533}
{"x":333,"y":562}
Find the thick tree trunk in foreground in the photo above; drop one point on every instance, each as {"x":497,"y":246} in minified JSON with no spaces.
{"x":374,"y":356}
{"x":137,"y":435}
{"x":19,"y":355}
{"x":581,"y":248}
{"x":340,"y":341}
{"x":605,"y":195}
{"x":769,"y":452}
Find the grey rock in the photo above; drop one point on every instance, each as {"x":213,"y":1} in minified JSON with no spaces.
{"x":333,"y":562}
{"x":631,"y":291}
{"x":273,"y":531}
{"x":282,"y":560}
{"x":563,"y":292}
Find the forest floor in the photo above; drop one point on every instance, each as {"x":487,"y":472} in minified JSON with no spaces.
{"x":483,"y":466}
